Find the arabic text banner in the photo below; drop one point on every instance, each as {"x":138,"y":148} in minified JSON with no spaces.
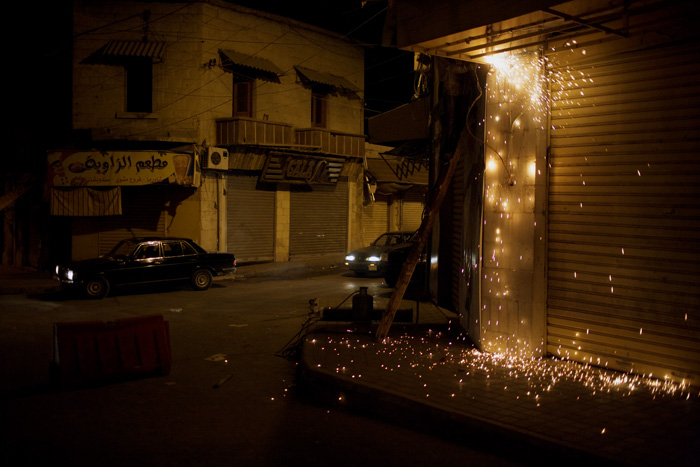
{"x":120,"y":168}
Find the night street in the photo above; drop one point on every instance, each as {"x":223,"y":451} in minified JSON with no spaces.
{"x":228,"y":335}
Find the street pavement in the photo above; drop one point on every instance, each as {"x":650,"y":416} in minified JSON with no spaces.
{"x":428,"y":376}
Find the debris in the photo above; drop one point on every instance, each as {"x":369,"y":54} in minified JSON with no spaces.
{"x":222,"y":381}
{"x":217,"y":357}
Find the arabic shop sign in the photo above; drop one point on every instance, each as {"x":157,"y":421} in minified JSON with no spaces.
{"x":120,"y":168}
{"x":300,"y":169}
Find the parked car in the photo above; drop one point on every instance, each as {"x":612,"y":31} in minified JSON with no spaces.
{"x":145,"y":261}
{"x":372,"y":259}
{"x":396,"y":256}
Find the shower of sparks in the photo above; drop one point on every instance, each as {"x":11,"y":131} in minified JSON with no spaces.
{"x":434,"y":351}
{"x":529,"y":81}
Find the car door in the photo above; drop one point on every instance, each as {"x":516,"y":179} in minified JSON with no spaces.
{"x":148,"y":262}
{"x":179,"y":259}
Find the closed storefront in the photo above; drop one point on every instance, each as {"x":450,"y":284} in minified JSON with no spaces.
{"x":375,"y":218}
{"x":112,"y":195}
{"x":143,"y":215}
{"x":250,"y":216}
{"x":624,"y":214}
{"x":318,"y":220}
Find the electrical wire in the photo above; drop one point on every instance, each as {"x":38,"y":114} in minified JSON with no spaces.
{"x":292,"y":348}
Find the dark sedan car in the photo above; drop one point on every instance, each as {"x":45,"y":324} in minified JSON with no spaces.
{"x":372,"y":259}
{"x":144,"y":261}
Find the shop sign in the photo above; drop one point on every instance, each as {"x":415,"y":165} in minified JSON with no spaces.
{"x":301,"y":169}
{"x":120,"y":168}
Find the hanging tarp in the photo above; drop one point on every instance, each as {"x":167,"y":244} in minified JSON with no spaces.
{"x":8,"y":199}
{"x":84,"y":201}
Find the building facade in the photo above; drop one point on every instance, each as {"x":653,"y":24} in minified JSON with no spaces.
{"x":240,"y":129}
{"x":588,"y":245}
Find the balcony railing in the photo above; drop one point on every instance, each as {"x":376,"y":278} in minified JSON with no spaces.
{"x":237,"y":131}
{"x":230,"y":131}
{"x":331,"y":142}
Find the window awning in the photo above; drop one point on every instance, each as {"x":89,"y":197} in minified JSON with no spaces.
{"x":249,"y":66}
{"x":115,"y":52}
{"x":334,"y":84}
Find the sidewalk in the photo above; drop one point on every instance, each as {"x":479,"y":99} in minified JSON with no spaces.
{"x":429,"y":377}
{"x":543,"y":411}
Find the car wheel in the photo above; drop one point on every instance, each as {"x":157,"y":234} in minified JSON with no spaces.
{"x":97,"y":287}
{"x":201,"y":279}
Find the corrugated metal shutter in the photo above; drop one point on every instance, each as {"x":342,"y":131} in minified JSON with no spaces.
{"x":412,"y":206}
{"x":250,"y":215}
{"x":624,"y":215}
{"x":143,"y":215}
{"x":375,"y":219}
{"x":319,"y":220}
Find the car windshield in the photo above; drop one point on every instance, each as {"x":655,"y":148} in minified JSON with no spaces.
{"x":122,"y":249}
{"x":389,"y":239}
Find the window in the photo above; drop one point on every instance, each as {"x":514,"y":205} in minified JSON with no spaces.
{"x":139,"y":85}
{"x":242,"y":98}
{"x":171,"y":249}
{"x":318,"y":110}
{"x":148,"y":251}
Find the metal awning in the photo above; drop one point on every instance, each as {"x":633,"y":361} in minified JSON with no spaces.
{"x":392,"y":169}
{"x":474,"y":30}
{"x":404,"y":123}
{"x":334,"y":84}
{"x":115,"y":52}
{"x":249,"y":66}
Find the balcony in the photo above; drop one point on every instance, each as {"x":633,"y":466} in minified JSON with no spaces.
{"x":232,"y":131}
{"x":243,"y":131}
{"x":331,"y":142}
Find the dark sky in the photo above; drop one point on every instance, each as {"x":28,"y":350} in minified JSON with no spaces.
{"x":389,"y":72}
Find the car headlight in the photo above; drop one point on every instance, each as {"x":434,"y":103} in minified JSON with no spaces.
{"x":70,"y":274}
{"x":373,"y":258}
{"x":350,"y":258}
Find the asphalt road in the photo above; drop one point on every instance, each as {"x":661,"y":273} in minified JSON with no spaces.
{"x":230,"y":335}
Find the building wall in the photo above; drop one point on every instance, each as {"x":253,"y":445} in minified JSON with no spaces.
{"x":178,"y":98}
{"x":282,"y":220}
{"x":191,"y":90}
{"x":285,"y":43}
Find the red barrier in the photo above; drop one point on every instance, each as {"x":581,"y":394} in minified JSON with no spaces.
{"x":96,"y":352}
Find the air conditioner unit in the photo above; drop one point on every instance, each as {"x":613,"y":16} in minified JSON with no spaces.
{"x":216,"y":158}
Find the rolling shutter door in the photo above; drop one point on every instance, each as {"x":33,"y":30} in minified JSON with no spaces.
{"x":412,"y":206}
{"x":250,"y":220}
{"x":375,"y":219}
{"x":624,"y":215}
{"x":319,"y":220}
{"x":143,"y":215}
